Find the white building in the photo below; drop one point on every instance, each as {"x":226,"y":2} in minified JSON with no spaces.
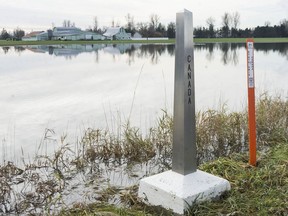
{"x":73,"y":33}
{"x":35,"y":36}
{"x":116,"y":33}
{"x":62,"y":33}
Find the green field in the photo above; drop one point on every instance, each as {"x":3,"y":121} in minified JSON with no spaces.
{"x":55,"y":42}
{"x":197,"y":40}
{"x":240,"y":40}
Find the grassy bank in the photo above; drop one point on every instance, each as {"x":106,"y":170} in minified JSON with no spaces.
{"x":22,"y":43}
{"x":196,"y":40}
{"x":240,"y":40}
{"x":261,"y":190}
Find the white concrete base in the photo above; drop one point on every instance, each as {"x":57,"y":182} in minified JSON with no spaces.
{"x":174,"y":191}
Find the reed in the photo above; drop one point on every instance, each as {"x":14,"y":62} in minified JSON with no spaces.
{"x":272,"y":119}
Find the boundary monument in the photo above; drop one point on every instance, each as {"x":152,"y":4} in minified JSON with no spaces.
{"x":179,"y":188}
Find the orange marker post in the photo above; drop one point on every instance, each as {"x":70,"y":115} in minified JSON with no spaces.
{"x":251,"y":101}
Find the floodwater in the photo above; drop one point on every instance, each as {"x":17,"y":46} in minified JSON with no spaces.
{"x":69,"y":88}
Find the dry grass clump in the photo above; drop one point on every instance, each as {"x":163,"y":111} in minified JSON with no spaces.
{"x":36,"y":187}
{"x":219,"y":133}
{"x":272,"y":119}
{"x":27,"y":191}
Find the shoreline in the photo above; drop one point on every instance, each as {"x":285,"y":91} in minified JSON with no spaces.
{"x":169,"y":41}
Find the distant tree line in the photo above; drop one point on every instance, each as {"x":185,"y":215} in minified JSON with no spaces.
{"x":154,"y":28}
{"x":229,"y":28}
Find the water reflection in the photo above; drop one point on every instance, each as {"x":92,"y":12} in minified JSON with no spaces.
{"x":5,"y":49}
{"x":281,"y":48}
{"x":55,"y":86}
{"x":229,"y":51}
{"x":133,"y":50}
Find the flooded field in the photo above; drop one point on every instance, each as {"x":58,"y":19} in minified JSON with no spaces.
{"x":86,"y":123}
{"x":67,"y":89}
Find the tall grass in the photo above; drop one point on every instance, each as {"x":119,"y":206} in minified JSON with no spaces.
{"x":272,"y":119}
{"x":255,"y":191}
{"x":39,"y":186}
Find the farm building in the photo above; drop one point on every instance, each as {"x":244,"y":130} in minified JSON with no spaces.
{"x":73,"y":33}
{"x":116,"y":33}
{"x":36,"y":36}
{"x":62,"y":33}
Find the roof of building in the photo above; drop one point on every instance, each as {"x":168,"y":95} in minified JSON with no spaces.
{"x":112,"y":31}
{"x":33,"y":34}
{"x":69,"y":31}
{"x":65,"y":29}
{"x":137,"y":35}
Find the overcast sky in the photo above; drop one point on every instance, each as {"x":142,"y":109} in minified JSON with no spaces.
{"x":41,"y":14}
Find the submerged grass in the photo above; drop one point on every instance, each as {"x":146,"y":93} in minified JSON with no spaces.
{"x":39,"y":186}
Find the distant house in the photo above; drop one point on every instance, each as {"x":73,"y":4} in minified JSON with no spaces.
{"x":62,"y":33}
{"x":73,"y":33}
{"x":116,"y":33}
{"x":137,"y":35}
{"x":35,"y":36}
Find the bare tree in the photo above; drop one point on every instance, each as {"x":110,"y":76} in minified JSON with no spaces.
{"x":235,"y":20}
{"x":68,"y":23}
{"x":64,"y":23}
{"x":267,"y":23}
{"x":130,"y":26}
{"x":284,"y":23}
{"x":18,"y":33}
{"x":95,"y":27}
{"x":211,"y":23}
{"x":143,"y":28}
{"x":154,"y":21}
{"x":4,"y":35}
{"x":226,"y":22}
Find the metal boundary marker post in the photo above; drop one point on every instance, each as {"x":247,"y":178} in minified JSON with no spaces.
{"x":251,"y":101}
{"x":184,"y":160}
